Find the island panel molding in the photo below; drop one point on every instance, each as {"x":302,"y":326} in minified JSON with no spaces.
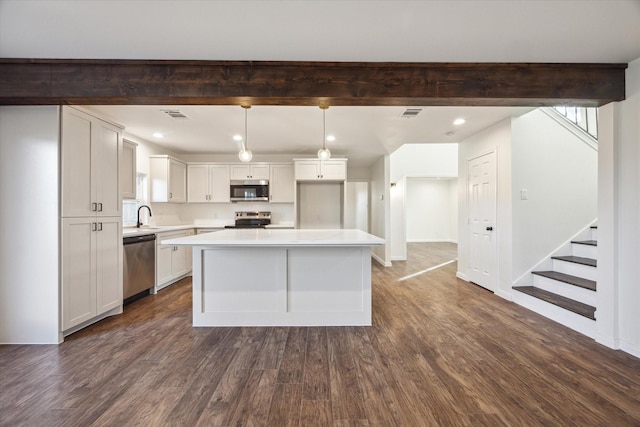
{"x":260,"y":277}
{"x":171,"y":82}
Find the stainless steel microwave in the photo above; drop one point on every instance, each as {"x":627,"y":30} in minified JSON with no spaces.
{"x":250,"y":190}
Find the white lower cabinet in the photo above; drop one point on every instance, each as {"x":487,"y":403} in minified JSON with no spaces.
{"x":172,"y":262}
{"x":91,"y":268}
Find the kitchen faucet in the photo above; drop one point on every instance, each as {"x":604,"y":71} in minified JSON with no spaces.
{"x":139,"y":223}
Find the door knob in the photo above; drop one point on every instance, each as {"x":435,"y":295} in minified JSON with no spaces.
{"x":489,"y":228}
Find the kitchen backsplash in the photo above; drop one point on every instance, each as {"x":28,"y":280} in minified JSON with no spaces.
{"x":196,"y":213}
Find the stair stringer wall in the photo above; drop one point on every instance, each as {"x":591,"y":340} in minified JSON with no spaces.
{"x":546,"y":263}
{"x":554,"y":191}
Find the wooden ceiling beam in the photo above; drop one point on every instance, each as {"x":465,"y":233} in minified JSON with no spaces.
{"x":131,"y":82}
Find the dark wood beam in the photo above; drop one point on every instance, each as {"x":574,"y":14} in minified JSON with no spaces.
{"x":85,"y":82}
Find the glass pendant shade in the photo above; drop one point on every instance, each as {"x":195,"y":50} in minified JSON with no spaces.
{"x":324,"y":153}
{"x":245,"y":154}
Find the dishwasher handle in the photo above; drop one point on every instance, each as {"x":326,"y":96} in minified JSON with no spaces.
{"x":138,"y":239}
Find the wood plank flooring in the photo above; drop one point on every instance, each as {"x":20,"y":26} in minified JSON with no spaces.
{"x":441,"y":352}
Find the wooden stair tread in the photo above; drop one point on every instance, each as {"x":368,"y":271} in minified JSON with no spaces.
{"x":560,"y":301}
{"x":567,"y":278}
{"x":577,"y":260}
{"x":585,"y":242}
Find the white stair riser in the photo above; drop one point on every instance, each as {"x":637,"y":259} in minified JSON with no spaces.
{"x":585,"y":251}
{"x":594,"y":234}
{"x":574,"y":269}
{"x":575,"y":293}
{"x":564,"y":317}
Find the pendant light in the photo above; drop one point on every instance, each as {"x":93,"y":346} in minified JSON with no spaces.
{"x":245,"y":154}
{"x":324,"y":153}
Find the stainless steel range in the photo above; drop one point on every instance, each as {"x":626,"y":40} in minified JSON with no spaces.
{"x":252,"y":219}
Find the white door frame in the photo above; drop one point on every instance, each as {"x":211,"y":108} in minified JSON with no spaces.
{"x":493,"y":286}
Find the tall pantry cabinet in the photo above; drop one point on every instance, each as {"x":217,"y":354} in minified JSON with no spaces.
{"x":91,"y":219}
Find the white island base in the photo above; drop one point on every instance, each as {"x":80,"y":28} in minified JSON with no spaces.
{"x":281,"y":277}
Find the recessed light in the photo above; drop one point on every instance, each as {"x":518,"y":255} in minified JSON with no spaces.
{"x":237,"y":137}
{"x":158,"y":135}
{"x":331,"y":138}
{"x":459,"y":122}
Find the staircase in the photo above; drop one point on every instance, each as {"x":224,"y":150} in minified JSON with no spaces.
{"x":566,"y":293}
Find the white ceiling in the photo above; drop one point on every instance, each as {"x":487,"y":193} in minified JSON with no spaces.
{"x":362,"y":133}
{"x":299,"y":30}
{"x":422,"y":31}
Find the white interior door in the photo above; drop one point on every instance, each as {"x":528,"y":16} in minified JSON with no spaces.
{"x":482,"y":220}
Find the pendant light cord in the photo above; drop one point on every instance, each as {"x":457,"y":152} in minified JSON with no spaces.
{"x":324,"y":129}
{"x":246,"y":137}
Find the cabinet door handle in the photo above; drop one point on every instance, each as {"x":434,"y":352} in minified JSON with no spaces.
{"x":99,"y":207}
{"x":94,"y":226}
{"x":94,"y":207}
{"x":99,"y":226}
{"x":171,"y":195}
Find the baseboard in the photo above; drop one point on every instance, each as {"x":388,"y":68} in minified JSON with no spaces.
{"x":461,"y":276}
{"x":380,"y":260}
{"x":632,"y":349}
{"x":608,"y":341}
{"x":504,"y":294}
{"x":398,"y":258}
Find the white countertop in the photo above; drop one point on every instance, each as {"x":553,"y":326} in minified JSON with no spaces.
{"x":155,"y":229}
{"x":279,"y":237}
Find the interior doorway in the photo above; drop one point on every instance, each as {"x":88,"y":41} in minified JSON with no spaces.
{"x":481,"y":196}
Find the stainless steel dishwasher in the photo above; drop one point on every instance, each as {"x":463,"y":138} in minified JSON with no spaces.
{"x":139,"y":264}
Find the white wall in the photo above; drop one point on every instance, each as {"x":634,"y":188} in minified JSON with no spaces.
{"x":424,"y":160}
{"x":559,"y":172}
{"x":380,"y":209}
{"x":398,"y":231}
{"x":430,"y":215}
{"x":356,"y":213}
{"x":453,"y":208}
{"x":495,"y":138}
{"x":618,"y":305}
{"x":29,"y":176}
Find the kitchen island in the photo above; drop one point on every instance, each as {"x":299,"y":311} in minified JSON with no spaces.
{"x":265,"y":277}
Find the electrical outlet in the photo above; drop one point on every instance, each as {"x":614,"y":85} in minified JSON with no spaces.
{"x":524,"y":194}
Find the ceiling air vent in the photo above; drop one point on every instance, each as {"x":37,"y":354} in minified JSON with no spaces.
{"x":410,"y":113}
{"x":176,"y":114}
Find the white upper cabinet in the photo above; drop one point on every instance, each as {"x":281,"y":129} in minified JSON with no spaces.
{"x":128,"y":170}
{"x":197,"y":183}
{"x":314,"y":169}
{"x":168,"y":179}
{"x":281,"y":184}
{"x":207,"y":183}
{"x":90,"y":153}
{"x":219,"y":184}
{"x":250,"y":171}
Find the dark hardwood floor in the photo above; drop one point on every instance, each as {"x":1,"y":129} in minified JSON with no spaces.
{"x":441,"y":352}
